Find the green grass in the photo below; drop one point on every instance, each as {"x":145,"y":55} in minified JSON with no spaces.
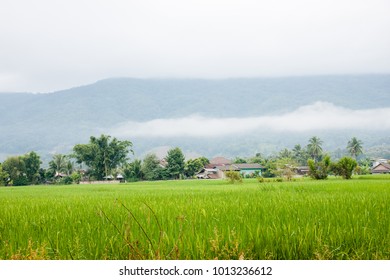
{"x":205,"y":219}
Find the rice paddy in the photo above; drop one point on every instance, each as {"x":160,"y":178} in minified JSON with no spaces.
{"x":198,"y":220}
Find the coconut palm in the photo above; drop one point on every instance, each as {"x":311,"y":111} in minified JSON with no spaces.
{"x":59,"y":163}
{"x":299,"y":154}
{"x":314,"y":148}
{"x":285,"y":153}
{"x":354,"y":147}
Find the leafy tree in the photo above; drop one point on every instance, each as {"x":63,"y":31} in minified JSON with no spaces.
{"x":193,"y":166}
{"x":3,"y":176}
{"x":285,"y":168}
{"x":133,"y":171}
{"x":257,"y":159}
{"x":239,"y":160}
{"x":175,"y":159}
{"x":204,"y":161}
{"x":151,"y":168}
{"x":102,"y":155}
{"x":344,"y":167}
{"x":319,"y":170}
{"x":76,"y":177}
{"x":162,"y":173}
{"x":68,"y":180}
{"x":270,"y":167}
{"x":16,"y":169}
{"x":32,"y":164}
{"x":364,"y":166}
{"x":314,"y":148}
{"x":355,"y":147}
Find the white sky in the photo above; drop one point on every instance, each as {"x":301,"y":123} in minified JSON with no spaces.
{"x":319,"y":116}
{"x":47,"y":45}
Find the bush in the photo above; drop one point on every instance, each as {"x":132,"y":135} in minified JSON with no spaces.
{"x":319,"y":170}
{"x":344,"y":167}
{"x":260,"y":179}
{"x":76,"y":177}
{"x":66,"y":181}
{"x":233,"y":176}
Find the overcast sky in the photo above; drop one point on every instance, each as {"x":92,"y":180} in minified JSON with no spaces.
{"x":47,"y":45}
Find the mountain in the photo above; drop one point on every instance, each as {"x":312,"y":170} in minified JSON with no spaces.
{"x":53,"y":122}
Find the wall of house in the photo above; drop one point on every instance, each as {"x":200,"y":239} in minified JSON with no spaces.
{"x":249,"y":171}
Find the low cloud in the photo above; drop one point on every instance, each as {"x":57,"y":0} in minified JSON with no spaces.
{"x":315,"y":117}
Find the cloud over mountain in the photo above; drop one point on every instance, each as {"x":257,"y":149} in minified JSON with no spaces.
{"x":316,"y":116}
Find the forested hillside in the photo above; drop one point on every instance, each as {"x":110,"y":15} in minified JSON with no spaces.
{"x":53,"y":122}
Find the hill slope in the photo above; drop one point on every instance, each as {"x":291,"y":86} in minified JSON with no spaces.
{"x":54,"y":122}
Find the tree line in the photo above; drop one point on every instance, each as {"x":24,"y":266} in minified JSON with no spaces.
{"x":106,"y":157}
{"x":102,"y":158}
{"x":319,"y":163}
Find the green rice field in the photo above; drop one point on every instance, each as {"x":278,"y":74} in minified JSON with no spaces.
{"x":199,"y":220}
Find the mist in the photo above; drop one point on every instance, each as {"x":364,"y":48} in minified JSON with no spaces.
{"x":318,"y":116}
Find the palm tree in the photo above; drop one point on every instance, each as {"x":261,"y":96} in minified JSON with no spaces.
{"x":69,"y":167}
{"x":59,"y":163}
{"x":299,"y":154}
{"x":354,"y":147}
{"x":314,"y":147}
{"x":286,"y":153}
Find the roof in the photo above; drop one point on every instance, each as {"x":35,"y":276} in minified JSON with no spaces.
{"x":239,"y":166}
{"x":209,"y":170}
{"x":248,"y":165}
{"x":302,"y":168}
{"x":220,"y":161}
{"x":382,"y":166}
{"x":59,"y":174}
{"x":213,"y":176}
{"x":229,"y":167}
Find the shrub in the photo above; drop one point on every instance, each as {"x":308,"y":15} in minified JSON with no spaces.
{"x":76,"y":177}
{"x":319,"y":170}
{"x":233,"y":176}
{"x":344,"y":167}
{"x":260,"y":179}
{"x":66,"y":181}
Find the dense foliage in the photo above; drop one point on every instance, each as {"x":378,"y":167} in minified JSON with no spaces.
{"x":345,"y":167}
{"x":22,"y":170}
{"x":106,"y":158}
{"x":175,"y":163}
{"x":319,"y":170}
{"x":103,"y":155}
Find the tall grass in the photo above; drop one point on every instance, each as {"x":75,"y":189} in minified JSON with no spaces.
{"x":307,"y":219}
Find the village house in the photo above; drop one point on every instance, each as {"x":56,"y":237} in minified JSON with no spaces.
{"x":210,"y":173}
{"x":218,"y":166}
{"x":381,"y":168}
{"x":302,"y":170}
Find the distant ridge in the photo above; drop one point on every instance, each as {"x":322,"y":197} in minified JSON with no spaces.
{"x":54,"y":122}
